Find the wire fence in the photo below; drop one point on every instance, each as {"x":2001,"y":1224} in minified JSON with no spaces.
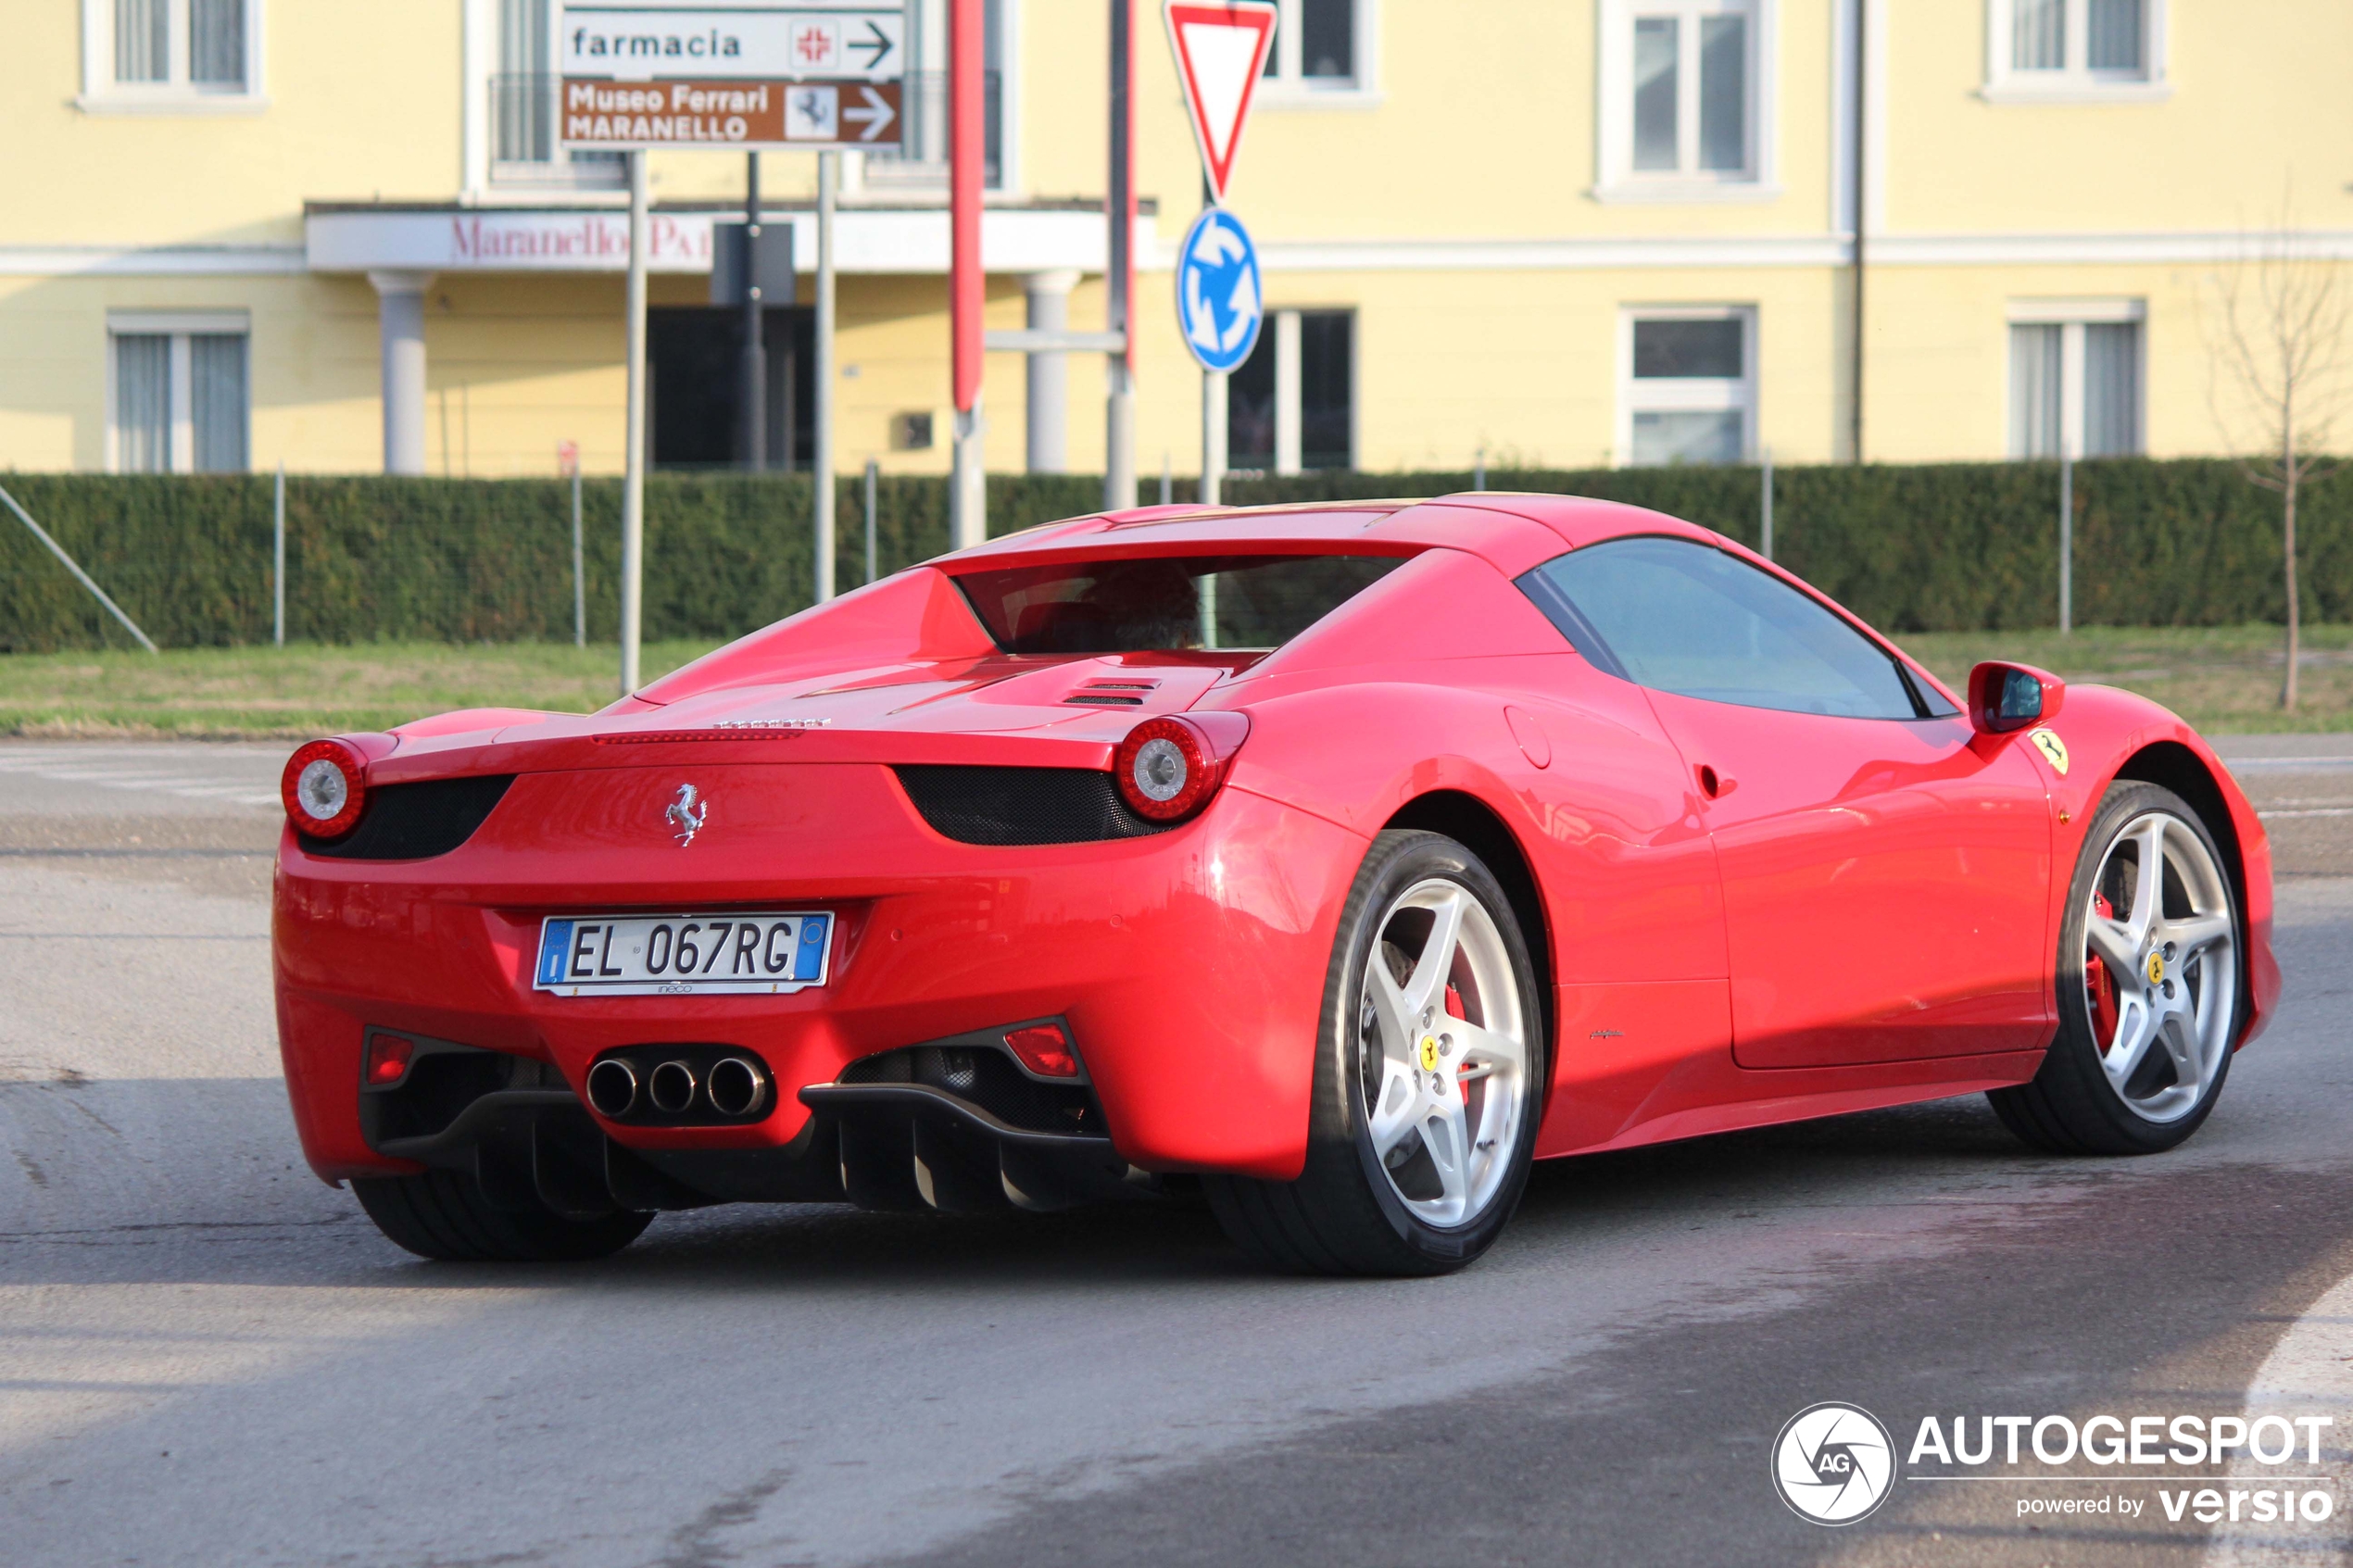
{"x":1929,"y":547}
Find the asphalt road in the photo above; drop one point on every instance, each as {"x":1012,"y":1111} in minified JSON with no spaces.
{"x":207,"y":1357}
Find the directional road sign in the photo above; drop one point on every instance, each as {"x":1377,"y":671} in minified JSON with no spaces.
{"x":806,"y":75}
{"x":1219,"y":303}
{"x":1220,"y":51}
{"x":641,"y":40}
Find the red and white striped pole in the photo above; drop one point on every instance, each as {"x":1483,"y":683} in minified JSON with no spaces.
{"x":967,"y":148}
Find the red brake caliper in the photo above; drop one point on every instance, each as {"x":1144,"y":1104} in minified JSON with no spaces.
{"x":1454,"y":1010}
{"x":2099,"y":986}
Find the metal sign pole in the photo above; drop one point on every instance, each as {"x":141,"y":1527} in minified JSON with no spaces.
{"x":821,"y":466}
{"x":873,"y":471}
{"x":579,"y":570}
{"x":1212,"y":438}
{"x":633,"y":480}
{"x":1119,"y":213}
{"x":2067,"y":546}
{"x":1765,"y":523}
{"x":753,"y":441}
{"x":277,"y":560}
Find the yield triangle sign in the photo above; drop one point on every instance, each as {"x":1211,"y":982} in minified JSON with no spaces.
{"x":1220,"y":50}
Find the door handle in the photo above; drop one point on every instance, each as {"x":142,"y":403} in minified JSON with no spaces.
{"x":1712,"y":785}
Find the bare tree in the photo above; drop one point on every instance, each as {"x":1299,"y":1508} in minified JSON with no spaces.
{"x":2282,"y":315}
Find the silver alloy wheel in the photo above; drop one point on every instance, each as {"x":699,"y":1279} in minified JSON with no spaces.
{"x":2160,"y":966}
{"x":1443,"y":1054}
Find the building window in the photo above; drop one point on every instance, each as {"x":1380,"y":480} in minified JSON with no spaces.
{"x":1321,"y":46}
{"x":1689,"y":386}
{"x":525,"y":120}
{"x":2073,"y":48}
{"x":171,"y":55}
{"x":180,"y":402}
{"x":1683,"y":97}
{"x":921,"y":158}
{"x":2075,"y":379}
{"x":1291,"y":406}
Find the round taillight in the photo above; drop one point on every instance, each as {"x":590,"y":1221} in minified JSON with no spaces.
{"x":1164,"y":769}
{"x":325,"y":785}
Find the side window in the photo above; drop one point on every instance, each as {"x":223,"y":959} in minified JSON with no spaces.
{"x":1690,"y":619}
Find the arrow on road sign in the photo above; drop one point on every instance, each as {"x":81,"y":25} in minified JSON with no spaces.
{"x":1220,"y":51}
{"x":877,"y":115}
{"x":880,"y":43}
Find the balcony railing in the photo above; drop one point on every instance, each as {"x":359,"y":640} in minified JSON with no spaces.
{"x":527,"y":148}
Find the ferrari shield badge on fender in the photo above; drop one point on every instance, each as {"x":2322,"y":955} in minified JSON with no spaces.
{"x":686,"y":814}
{"x":2053,"y":749}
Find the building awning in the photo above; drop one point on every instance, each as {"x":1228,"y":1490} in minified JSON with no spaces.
{"x":359,"y":237}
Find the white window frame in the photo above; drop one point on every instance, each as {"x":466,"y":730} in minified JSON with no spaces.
{"x":179,"y":326}
{"x":2074,"y":315}
{"x":1662,"y":394}
{"x":1291,"y":414}
{"x":489,"y":176}
{"x":1617,"y":179}
{"x":893,"y":179}
{"x":2076,"y":82}
{"x":101,"y":93}
{"x":1286,"y":88}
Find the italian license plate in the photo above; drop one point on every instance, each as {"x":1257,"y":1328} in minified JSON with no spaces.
{"x":754,"y":953}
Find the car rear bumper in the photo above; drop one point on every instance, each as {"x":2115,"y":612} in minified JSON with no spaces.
{"x":1189,"y":964}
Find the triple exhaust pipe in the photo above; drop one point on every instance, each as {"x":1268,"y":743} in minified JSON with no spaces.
{"x":734,"y":1087}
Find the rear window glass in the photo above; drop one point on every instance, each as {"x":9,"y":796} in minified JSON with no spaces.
{"x":1165,"y":602}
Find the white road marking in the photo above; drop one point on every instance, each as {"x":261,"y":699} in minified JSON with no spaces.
{"x":129,"y":770}
{"x":2309,"y":1371}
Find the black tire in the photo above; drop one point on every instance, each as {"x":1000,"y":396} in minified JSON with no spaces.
{"x":1345,"y":1215}
{"x":2069,"y":1107}
{"x":446,"y":1216}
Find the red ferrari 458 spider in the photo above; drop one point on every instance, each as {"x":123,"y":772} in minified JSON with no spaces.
{"x":1332,"y":863}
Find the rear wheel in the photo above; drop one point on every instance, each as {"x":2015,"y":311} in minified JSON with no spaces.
{"x":2150,"y":1003}
{"x":1428,"y":1072}
{"x":446,"y":1216}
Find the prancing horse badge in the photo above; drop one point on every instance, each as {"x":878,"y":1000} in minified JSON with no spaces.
{"x":686,"y":814}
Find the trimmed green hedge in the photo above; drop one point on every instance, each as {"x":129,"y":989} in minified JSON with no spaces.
{"x":1941,"y":547}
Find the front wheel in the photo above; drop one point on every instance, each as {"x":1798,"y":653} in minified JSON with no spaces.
{"x":2149,"y":996}
{"x":1429,"y":1069}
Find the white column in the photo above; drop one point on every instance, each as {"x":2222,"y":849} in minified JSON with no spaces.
{"x":1048,"y":412}
{"x":400,"y":318}
{"x":1286,"y":392}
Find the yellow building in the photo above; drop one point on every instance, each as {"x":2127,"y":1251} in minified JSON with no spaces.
{"x":1561,"y":232}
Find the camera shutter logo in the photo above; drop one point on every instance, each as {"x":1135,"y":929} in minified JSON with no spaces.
{"x":1833,"y":1463}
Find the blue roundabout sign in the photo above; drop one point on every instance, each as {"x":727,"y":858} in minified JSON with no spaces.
{"x":1219,"y":303}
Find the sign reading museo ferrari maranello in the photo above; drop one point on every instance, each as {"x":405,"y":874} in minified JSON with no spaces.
{"x":808,"y":75}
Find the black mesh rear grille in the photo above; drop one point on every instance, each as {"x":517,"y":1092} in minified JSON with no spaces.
{"x":1007,"y":805}
{"x":984,"y":1076}
{"x":411,"y":821}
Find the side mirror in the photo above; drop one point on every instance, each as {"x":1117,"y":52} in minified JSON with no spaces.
{"x":2002,"y":697}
